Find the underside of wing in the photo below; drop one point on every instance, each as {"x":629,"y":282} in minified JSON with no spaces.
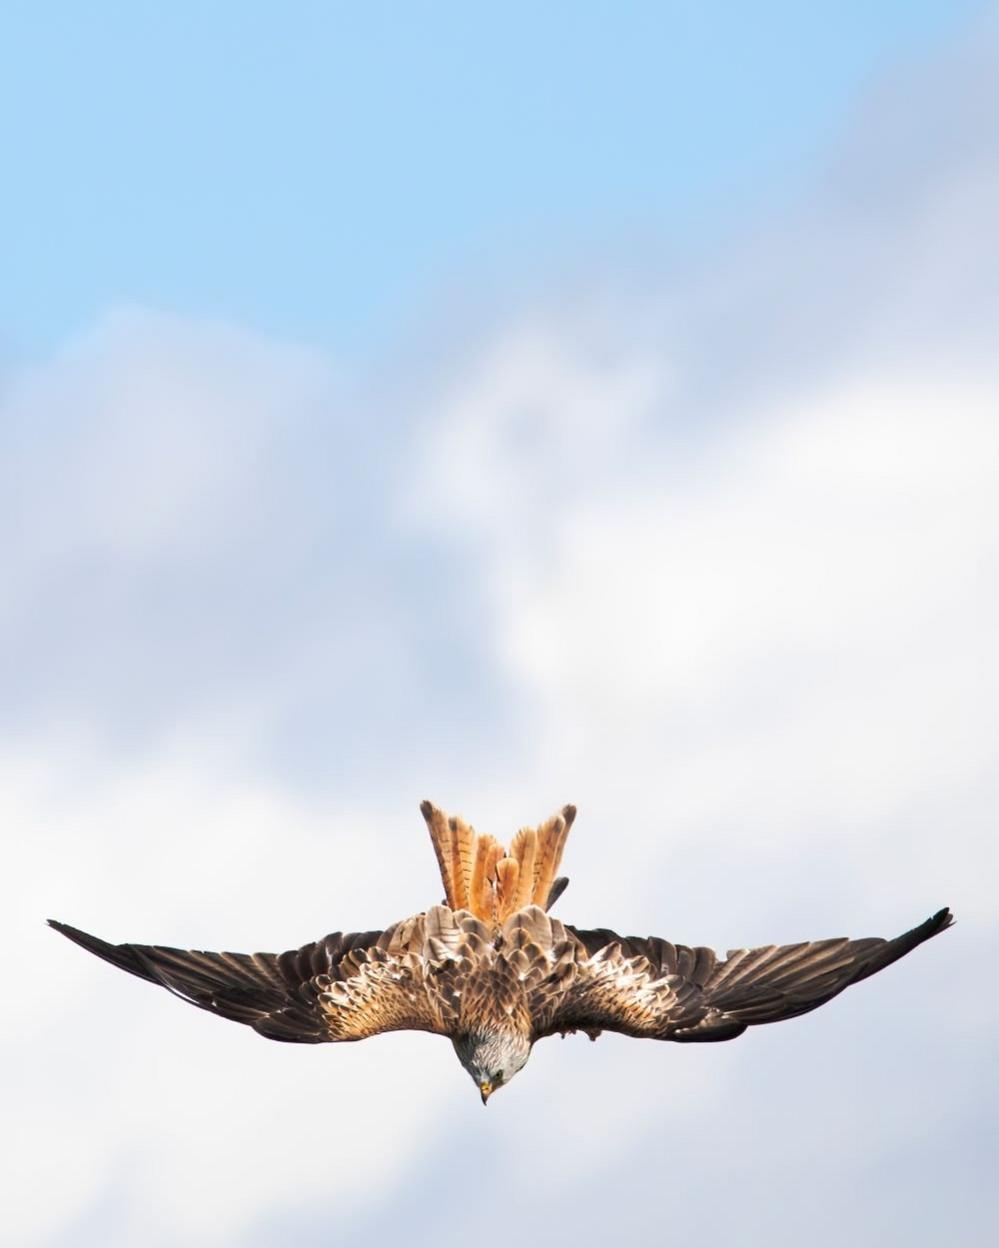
{"x":651,"y":988}
{"x":346,"y":986}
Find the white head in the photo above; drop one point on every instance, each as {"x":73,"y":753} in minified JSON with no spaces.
{"x":492,"y":1058}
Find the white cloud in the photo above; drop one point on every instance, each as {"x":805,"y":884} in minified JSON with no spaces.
{"x":850,"y":539}
{"x":140,"y":434}
{"x":538,"y":416}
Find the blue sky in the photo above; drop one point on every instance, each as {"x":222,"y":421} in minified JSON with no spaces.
{"x":594,"y":405}
{"x":323,"y":175}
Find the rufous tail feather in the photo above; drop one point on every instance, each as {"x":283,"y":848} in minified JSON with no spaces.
{"x":481,"y":876}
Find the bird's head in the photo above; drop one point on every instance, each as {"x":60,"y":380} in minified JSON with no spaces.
{"x":492,"y":1058}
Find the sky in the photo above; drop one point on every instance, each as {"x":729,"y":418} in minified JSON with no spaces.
{"x":329,"y":178}
{"x":594,"y":404}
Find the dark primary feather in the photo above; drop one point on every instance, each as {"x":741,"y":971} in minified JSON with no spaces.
{"x":279,"y":995}
{"x":651,"y":988}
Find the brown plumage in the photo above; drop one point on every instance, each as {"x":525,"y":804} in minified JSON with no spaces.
{"x":492,"y":970}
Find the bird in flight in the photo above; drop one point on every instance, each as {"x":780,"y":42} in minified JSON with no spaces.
{"x":494,"y":972}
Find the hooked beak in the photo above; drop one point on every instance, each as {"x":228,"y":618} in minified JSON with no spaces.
{"x":485,"y":1087}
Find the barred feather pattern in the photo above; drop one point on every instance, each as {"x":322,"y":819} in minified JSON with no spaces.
{"x":493,"y":883}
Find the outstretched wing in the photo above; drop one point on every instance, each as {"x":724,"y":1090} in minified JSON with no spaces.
{"x":343,"y":987}
{"x":651,"y":988}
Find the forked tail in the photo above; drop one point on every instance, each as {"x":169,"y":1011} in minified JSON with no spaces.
{"x":481,"y":876}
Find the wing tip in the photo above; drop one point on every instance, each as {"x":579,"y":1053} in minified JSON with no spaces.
{"x":940,"y":921}
{"x":64,"y":928}
{"x":125,"y":957}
